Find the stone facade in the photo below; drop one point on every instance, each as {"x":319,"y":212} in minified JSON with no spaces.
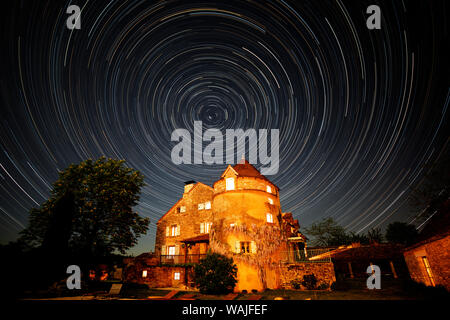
{"x":239,"y":217}
{"x":435,"y":255}
{"x":247,"y":225}
{"x":187,"y":218}
{"x":323,"y":272}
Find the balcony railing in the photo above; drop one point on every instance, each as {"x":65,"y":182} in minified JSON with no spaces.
{"x":181,"y":259}
{"x":308,"y":255}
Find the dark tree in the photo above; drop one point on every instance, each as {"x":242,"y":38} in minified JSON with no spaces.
{"x":433,"y":192}
{"x":328,"y":233}
{"x":215,"y":274}
{"x":358,"y":238}
{"x":400,"y":232}
{"x":90,"y":211}
{"x":375,"y":235}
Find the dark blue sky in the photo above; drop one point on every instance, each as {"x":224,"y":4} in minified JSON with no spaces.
{"x":359,"y":111}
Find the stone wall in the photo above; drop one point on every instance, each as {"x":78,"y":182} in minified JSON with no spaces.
{"x":189,"y":221}
{"x":438,"y":255}
{"x":158,"y":276}
{"x":323,"y":271}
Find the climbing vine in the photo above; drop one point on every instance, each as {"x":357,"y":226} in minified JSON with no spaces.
{"x":268,"y":240}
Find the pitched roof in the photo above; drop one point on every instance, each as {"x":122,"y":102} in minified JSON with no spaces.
{"x":245,"y":169}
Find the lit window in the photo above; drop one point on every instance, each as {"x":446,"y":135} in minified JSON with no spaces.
{"x":245,"y":247}
{"x":428,"y":269}
{"x":205,"y":227}
{"x":230,"y":183}
{"x":182,"y":209}
{"x":176,"y":276}
{"x":270,"y":200}
{"x":201,"y":206}
{"x":208,"y":205}
{"x":175,"y":231}
{"x":144,"y":274}
{"x":269,"y":217}
{"x":231,"y":224}
{"x":269,"y":189}
{"x":171,"y":251}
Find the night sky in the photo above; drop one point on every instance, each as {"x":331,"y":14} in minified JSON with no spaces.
{"x":359,"y":111}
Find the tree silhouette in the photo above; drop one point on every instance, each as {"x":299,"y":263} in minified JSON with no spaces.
{"x":400,"y":232}
{"x":89,"y":212}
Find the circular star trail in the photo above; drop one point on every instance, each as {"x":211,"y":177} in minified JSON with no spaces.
{"x":359,"y":111}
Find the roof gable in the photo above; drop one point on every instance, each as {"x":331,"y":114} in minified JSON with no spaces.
{"x":198,"y":186}
{"x":245,"y":169}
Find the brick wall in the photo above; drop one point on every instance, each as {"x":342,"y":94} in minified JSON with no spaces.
{"x":438,"y":255}
{"x":323,"y":271}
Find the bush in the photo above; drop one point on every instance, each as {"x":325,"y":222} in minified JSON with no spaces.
{"x":295,"y":284}
{"x":215,"y":274}
{"x":309,"y":281}
{"x":323,"y":286}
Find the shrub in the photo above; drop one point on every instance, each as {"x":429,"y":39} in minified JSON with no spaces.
{"x":295,"y":284}
{"x":215,"y":274}
{"x":309,"y":281}
{"x":323,"y":286}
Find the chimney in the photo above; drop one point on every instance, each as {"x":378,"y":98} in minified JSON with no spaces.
{"x":188,"y":185}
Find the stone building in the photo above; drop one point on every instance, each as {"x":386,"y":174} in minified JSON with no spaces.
{"x":428,"y":260}
{"x":182,"y":234}
{"x":240,"y":217}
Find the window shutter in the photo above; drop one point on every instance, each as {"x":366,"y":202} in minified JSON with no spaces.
{"x":202,"y":228}
{"x":178,"y":230}
{"x":238,"y":247}
{"x":163,"y":250}
{"x":253,"y":247}
{"x":177,"y":250}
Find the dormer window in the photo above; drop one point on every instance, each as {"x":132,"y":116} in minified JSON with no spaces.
{"x":182,"y":209}
{"x":208,"y":205}
{"x":269,"y":217}
{"x":268,"y":189}
{"x":201,"y":206}
{"x":270,"y":200}
{"x":230,"y":183}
